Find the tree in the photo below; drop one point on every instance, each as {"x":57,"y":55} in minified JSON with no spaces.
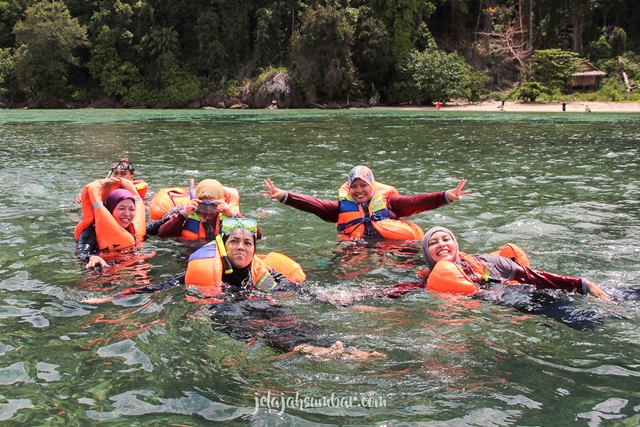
{"x":371,"y":48}
{"x":553,"y":67}
{"x":322,"y":52}
{"x":508,"y":41}
{"x":402,"y":19}
{"x":47,"y":38}
{"x":434,"y":75}
{"x":115,"y":75}
{"x":163,"y":40}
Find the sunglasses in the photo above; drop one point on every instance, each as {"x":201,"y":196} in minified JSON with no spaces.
{"x":230,"y":224}
{"x":207,"y":207}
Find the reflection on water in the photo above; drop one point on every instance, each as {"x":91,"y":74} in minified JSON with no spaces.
{"x":563,"y":186}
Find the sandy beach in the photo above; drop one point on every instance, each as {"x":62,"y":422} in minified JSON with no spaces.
{"x":572,"y":107}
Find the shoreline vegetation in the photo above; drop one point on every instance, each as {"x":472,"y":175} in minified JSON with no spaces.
{"x":485,"y":106}
{"x":317,"y":54}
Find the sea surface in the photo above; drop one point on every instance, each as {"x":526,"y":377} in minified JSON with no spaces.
{"x":563,"y":186}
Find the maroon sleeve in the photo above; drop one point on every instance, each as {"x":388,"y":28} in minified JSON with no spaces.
{"x":404,"y":206}
{"x":544,"y":279}
{"x":327,"y":210}
{"x":173,"y":227}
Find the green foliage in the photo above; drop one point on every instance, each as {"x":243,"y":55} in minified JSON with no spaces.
{"x":181,"y":88}
{"x":333,"y":47}
{"x":113,"y":14}
{"x":402,"y":19}
{"x":371,"y":49}
{"x":163,"y":41}
{"x":553,"y":67}
{"x":11,"y":11}
{"x":6,"y":69}
{"x":529,"y":91}
{"x":231,"y":89}
{"x":618,"y":41}
{"x":322,"y":51}
{"x":269,"y":39}
{"x":433,"y":75}
{"x":599,"y":50}
{"x":115,"y":75}
{"x":47,"y":38}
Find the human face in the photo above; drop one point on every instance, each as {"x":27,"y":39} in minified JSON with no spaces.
{"x":240,"y":248}
{"x":124,"y":212}
{"x":442,"y":247}
{"x":124,"y":174}
{"x":360,"y":191}
{"x":209,"y":214}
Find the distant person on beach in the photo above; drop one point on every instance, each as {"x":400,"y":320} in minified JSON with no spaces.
{"x":587,"y":109}
{"x":564,"y":106}
{"x":367,"y":208}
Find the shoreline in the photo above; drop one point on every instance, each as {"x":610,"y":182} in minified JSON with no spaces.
{"x":549,"y":107}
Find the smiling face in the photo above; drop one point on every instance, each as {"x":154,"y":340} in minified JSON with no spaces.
{"x":124,"y":212}
{"x":360,"y":191}
{"x":442,"y":247}
{"x":240,"y":248}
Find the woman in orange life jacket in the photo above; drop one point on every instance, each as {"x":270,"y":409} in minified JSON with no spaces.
{"x":241,"y":303}
{"x":368,"y":208}
{"x":202,"y":216}
{"x":449,"y":268}
{"x":121,"y":204}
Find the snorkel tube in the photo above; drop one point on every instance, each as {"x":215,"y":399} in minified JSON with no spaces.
{"x":192,"y":185}
{"x":228,"y":268}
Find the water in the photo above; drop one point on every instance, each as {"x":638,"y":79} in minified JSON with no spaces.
{"x":565,"y":187}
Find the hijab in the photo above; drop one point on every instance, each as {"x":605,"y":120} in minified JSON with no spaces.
{"x":116,"y":196}
{"x":425,"y":246}
{"x":362,"y":172}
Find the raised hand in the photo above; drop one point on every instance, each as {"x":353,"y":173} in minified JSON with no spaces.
{"x":273,"y":192}
{"x":458,"y":192}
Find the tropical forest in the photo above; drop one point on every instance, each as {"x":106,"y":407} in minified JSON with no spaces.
{"x":314,"y":53}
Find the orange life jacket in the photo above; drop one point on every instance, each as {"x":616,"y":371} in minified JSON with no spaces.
{"x":352,"y":218}
{"x":142,"y":188}
{"x":110,"y":234}
{"x":205,"y":268}
{"x":449,"y":277}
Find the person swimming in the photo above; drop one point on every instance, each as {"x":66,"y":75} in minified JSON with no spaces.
{"x":440,"y":251}
{"x":367,"y":208}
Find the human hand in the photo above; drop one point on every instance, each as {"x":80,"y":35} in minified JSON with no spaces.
{"x":96,"y":261}
{"x":273,"y":192}
{"x":225,"y":209}
{"x":595,"y":290}
{"x":96,"y":300}
{"x":191,"y":207}
{"x":457,"y":193}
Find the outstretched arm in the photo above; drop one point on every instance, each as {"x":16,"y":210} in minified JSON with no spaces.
{"x":327,"y":210}
{"x":595,"y":290}
{"x":167,"y":284}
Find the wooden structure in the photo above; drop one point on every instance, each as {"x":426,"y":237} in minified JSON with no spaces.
{"x":590,"y":77}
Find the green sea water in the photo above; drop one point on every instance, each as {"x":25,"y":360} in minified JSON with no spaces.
{"x":565,"y":187}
